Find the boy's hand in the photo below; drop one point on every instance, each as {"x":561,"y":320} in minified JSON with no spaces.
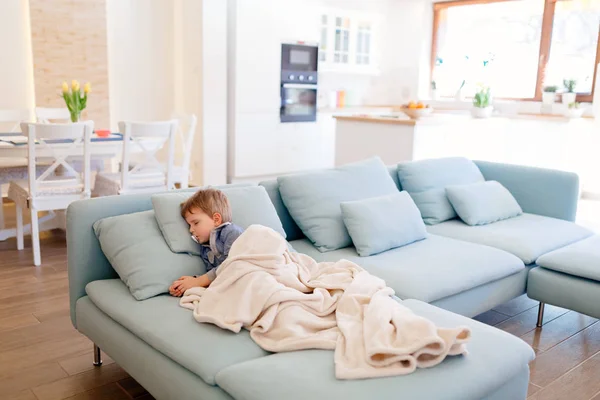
{"x":184,"y":283}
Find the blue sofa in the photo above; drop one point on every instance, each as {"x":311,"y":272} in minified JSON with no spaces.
{"x":458,"y":272}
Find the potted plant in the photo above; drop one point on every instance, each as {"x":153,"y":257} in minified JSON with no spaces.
{"x":74,"y":99}
{"x":482,"y":107}
{"x":569,"y":96}
{"x":549,"y":95}
{"x":574,"y":110}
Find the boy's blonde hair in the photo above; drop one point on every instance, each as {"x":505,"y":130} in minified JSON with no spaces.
{"x":209,"y":201}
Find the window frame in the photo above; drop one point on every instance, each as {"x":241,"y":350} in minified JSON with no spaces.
{"x":545,"y":43}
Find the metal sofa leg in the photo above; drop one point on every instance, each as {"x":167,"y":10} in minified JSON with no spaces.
{"x":97,"y":356}
{"x":540,"y":319}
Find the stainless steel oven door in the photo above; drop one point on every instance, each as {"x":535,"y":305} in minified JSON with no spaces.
{"x":298,"y":102}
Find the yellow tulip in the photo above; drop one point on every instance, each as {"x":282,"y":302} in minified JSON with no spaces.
{"x":75,"y":85}
{"x":87,"y":88}
{"x":65,"y":87}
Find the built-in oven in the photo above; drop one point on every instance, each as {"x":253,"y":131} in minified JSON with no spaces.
{"x":299,"y":69}
{"x":298,"y":102}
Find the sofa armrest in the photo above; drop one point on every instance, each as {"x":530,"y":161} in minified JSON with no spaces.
{"x":86,"y":261}
{"x":541,"y":191}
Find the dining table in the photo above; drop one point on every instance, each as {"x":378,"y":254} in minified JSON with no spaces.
{"x":106,"y":149}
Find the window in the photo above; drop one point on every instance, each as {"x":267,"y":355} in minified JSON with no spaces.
{"x":515,"y":46}
{"x":342,"y":37}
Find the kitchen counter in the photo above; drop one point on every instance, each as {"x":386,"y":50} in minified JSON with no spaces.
{"x":547,"y":141}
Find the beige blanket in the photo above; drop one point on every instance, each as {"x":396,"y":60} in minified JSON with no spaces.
{"x":290,"y":302}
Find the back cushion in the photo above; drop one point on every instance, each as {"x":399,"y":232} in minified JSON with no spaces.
{"x":249,"y":205}
{"x":313,"y":199}
{"x":136,"y":249}
{"x":426,"y":182}
{"x":292,"y":230}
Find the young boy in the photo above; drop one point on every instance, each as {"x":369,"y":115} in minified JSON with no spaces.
{"x":209,"y":216}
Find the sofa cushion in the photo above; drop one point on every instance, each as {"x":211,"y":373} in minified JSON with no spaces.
{"x":381,"y":223}
{"x":426,"y":181}
{"x":456,"y":378}
{"x":482,"y":203}
{"x":527,"y":236}
{"x":579,"y":259}
{"x":292,"y":231}
{"x":204,"y":349}
{"x":313,"y":198}
{"x":430,"y":269}
{"x":136,"y":249}
{"x":249,"y":205}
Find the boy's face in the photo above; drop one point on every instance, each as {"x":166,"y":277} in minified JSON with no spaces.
{"x":201,"y":224}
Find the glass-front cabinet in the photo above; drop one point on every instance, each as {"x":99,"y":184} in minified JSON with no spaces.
{"x":346,"y":43}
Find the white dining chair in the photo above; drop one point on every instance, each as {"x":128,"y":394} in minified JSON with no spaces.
{"x":46,"y":115}
{"x":148,"y":175}
{"x":11,"y":167}
{"x":50,"y":191}
{"x":186,"y":133}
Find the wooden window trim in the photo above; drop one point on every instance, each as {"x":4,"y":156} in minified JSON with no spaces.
{"x":545,"y":43}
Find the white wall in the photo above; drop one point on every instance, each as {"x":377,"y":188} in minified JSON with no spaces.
{"x":16,"y":68}
{"x":170,"y":56}
{"x":140,"y":59}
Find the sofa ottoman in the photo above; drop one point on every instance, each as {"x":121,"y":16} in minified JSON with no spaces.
{"x":568,"y":278}
{"x":496,"y":367}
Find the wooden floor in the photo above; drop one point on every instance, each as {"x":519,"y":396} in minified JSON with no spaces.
{"x":43,"y":357}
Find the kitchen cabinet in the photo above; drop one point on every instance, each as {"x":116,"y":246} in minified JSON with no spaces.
{"x":347,"y":42}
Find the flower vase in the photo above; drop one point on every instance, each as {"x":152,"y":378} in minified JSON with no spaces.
{"x":568,"y":98}
{"x":75,"y":116}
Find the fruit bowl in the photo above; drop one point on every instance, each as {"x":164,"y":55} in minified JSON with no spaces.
{"x":416,"y":110}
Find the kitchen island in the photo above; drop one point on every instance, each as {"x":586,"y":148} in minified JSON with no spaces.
{"x":536,"y":140}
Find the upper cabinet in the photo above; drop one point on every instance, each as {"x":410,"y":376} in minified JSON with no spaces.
{"x":347,"y":43}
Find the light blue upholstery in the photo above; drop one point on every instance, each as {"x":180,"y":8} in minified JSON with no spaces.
{"x":85,"y":259}
{"x":480,"y":299}
{"x":156,"y":372}
{"x":537,"y":190}
{"x":382,"y":223}
{"x":313,"y":198}
{"x":495,"y":358}
{"x":482,"y":203}
{"x":426,"y":181}
{"x":138,"y":252}
{"x":565,"y":290}
{"x":204,"y":349}
{"x":293,"y":232}
{"x":527,"y":236}
{"x":430,"y":269}
{"x":579,"y":259}
{"x":249,"y":205}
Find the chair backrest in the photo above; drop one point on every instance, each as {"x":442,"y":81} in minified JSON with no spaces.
{"x":149,"y":137}
{"x":14,"y":117}
{"x":186,"y":133}
{"x":57,"y":142}
{"x":46,"y":115}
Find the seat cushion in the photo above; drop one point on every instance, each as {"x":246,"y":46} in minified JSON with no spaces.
{"x":430,"y":269}
{"x":527,"y":236}
{"x":494,"y":358}
{"x":204,"y":349}
{"x":313,"y":198}
{"x":579,"y":259}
